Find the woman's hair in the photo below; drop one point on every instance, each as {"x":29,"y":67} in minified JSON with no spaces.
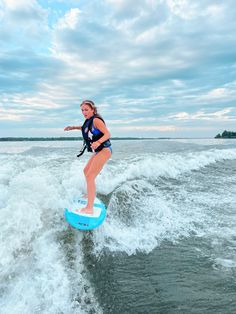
{"x":91,"y":104}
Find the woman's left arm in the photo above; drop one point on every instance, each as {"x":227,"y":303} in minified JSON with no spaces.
{"x":100,"y":125}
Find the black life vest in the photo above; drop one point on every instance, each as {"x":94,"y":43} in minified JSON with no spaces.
{"x":90,"y":136}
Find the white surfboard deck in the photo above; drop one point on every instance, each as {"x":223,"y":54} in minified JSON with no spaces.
{"x":81,"y":203}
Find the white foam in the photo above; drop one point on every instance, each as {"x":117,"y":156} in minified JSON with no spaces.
{"x":28,"y":198}
{"x":43,"y":282}
{"x":35,"y":272}
{"x":157,"y":165}
{"x":226,"y":263}
{"x":141,"y":217}
{"x":141,"y":224}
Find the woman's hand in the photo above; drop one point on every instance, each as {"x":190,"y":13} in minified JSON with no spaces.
{"x":95,"y":145}
{"x":69,"y":128}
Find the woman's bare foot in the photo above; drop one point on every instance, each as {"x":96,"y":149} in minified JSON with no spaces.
{"x":86,"y":210}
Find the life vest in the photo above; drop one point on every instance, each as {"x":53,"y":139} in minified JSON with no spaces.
{"x":91,"y":134}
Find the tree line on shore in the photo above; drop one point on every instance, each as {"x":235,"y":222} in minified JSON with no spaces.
{"x":226,"y":134}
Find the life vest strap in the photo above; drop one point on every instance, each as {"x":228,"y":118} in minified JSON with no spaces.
{"x":82,"y":150}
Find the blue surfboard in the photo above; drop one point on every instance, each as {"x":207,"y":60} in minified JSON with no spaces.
{"x":83,"y":221}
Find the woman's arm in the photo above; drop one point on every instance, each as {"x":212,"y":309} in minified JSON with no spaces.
{"x":100,"y":125}
{"x":70,"y":128}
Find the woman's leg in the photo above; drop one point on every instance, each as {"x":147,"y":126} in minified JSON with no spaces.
{"x":91,"y":170}
{"x":86,"y":168}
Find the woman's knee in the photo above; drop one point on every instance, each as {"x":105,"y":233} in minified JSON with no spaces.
{"x":90,"y":176}
{"x":85,"y":171}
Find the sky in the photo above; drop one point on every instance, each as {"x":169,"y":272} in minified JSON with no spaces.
{"x":154,"y":68}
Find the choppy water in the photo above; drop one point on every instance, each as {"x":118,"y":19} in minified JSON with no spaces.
{"x":168,"y":244}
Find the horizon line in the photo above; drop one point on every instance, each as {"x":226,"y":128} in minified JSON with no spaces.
{"x":72,"y":138}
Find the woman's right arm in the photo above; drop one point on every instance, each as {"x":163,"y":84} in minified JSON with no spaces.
{"x":70,"y":128}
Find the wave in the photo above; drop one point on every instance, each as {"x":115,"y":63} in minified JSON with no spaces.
{"x":34,"y":249}
{"x":148,"y":203}
{"x":159,"y":165}
{"x":141,"y":214}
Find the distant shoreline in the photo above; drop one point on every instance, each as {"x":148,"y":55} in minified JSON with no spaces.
{"x":40,"y":139}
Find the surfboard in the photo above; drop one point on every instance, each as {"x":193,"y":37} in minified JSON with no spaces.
{"x":84,"y":221}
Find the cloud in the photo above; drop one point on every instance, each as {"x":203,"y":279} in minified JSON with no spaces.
{"x":221,"y":94}
{"x":163,"y":59}
{"x":226,"y":114}
{"x":69,"y":20}
{"x":22,"y":10}
{"x":14,"y":114}
{"x":151,"y":128}
{"x":217,"y":93}
{"x":23,"y":22}
{"x":149,"y":52}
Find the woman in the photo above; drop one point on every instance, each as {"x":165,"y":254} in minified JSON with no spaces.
{"x":96,"y":137}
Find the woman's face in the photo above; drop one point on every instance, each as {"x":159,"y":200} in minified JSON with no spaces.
{"x":87,"y":111}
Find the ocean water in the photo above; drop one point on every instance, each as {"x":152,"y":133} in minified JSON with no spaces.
{"x":168,"y":244}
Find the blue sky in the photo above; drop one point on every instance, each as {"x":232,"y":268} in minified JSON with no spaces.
{"x":155,"y":68}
